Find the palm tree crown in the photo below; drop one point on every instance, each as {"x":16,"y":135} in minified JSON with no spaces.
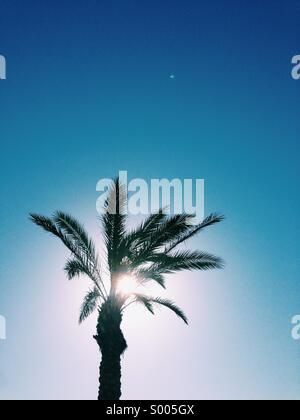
{"x":147,"y":253}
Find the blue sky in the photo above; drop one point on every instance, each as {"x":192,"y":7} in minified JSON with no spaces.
{"x":88,"y":94}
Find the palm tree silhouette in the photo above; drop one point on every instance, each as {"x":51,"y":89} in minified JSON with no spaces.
{"x":145,"y":254}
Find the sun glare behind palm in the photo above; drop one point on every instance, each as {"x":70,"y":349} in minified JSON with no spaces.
{"x":128,"y":286}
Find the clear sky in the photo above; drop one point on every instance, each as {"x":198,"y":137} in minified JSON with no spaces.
{"x":88,"y":94}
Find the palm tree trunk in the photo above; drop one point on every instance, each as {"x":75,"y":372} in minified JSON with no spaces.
{"x":112,"y":345}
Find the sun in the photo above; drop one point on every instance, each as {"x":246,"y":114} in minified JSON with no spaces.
{"x":128,"y":285}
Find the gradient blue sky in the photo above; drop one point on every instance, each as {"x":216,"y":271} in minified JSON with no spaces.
{"x":88,"y":94}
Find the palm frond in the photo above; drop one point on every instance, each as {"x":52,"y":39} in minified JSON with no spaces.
{"x":142,"y":233}
{"x":88,"y":263}
{"x":76,"y":231}
{"x":75,"y":268}
{"x":145,"y":275}
{"x":186,"y":260}
{"x":149,"y":301}
{"x":49,"y":226}
{"x":193,"y":230}
{"x":146,"y":301}
{"x":169,"y":229}
{"x":45,"y":223}
{"x":171,"y":305}
{"x":89,"y":305}
{"x":114,"y":224}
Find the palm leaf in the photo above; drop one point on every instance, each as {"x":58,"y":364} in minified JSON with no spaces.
{"x":146,"y":301}
{"x":171,"y":305}
{"x":87,"y":263}
{"x":149,"y":301}
{"x":142,"y":233}
{"x":145,"y":275}
{"x":77,"y":233}
{"x":75,"y":268}
{"x":114,"y":224}
{"x":192,"y":231}
{"x":89,"y":304}
{"x":45,"y":223}
{"x":186,"y":260}
{"x":49,"y":226}
{"x":168,"y":230}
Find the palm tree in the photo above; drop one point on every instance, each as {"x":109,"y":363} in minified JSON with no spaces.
{"x":145,"y":254}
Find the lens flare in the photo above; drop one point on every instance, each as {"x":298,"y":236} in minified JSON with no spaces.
{"x":128,"y":285}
